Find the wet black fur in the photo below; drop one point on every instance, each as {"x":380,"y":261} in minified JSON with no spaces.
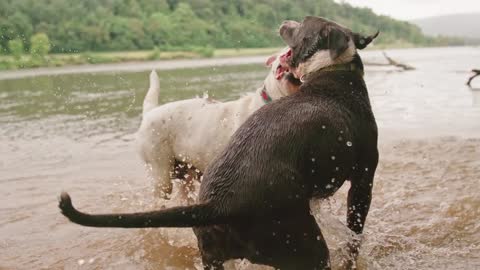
{"x":254,"y":198}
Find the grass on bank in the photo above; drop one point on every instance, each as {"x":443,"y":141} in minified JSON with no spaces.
{"x":8,"y":62}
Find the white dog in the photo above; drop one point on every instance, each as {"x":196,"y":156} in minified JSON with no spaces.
{"x":194,"y":131}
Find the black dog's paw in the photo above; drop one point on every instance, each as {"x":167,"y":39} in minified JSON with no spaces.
{"x":65,"y":204}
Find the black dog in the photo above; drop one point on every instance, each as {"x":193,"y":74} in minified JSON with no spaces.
{"x":254,"y":198}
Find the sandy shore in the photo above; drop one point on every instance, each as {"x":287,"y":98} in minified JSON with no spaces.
{"x":134,"y":66}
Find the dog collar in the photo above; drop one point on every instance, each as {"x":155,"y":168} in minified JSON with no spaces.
{"x":340,"y":67}
{"x":266,"y":98}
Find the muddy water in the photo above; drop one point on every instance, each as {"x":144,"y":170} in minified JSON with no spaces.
{"x":75,"y":132}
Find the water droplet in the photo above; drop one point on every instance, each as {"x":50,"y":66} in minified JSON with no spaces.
{"x":349,"y":144}
{"x":313,"y":159}
{"x":333,"y":180}
{"x":366,"y":169}
{"x":324,"y":127}
{"x":333,"y":157}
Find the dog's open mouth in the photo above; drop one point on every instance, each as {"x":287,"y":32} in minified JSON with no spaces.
{"x":284,"y":66}
{"x":281,"y":70}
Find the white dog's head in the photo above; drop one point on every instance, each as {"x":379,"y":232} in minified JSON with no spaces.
{"x":280,"y":82}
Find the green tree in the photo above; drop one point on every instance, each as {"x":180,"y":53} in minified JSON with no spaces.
{"x":187,"y":28}
{"x":99,"y":25}
{"x":15,"y":26}
{"x":15,"y":46}
{"x":159,"y":28}
{"x":152,"y":6}
{"x":39,"y":45}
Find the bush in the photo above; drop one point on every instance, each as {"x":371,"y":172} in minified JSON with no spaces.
{"x":207,"y":51}
{"x":16,"y":48}
{"x":5,"y":65}
{"x":155,"y":55}
{"x":39,"y":46}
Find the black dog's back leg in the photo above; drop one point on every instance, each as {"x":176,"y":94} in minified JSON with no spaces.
{"x":303,"y":244}
{"x":316,"y":243}
{"x":211,"y":243}
{"x":212,"y":264}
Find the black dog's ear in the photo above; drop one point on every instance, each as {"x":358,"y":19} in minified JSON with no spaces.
{"x":361,"y":42}
{"x":287,"y":32}
{"x":337,"y":41}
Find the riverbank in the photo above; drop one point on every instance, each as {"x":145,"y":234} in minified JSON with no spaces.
{"x":26,"y":62}
{"x":133,"y":66}
{"x":134,"y":61}
{"x":89,"y":58}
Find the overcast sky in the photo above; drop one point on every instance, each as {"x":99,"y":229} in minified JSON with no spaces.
{"x":415,"y":9}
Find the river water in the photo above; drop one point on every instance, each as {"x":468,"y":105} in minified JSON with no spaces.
{"x":74,"y":132}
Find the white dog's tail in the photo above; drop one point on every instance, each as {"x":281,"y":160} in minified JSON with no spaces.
{"x":151,"y":99}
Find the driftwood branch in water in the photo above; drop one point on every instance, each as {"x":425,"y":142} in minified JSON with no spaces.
{"x":391,"y":62}
{"x":477,"y":73}
{"x":397,"y":64}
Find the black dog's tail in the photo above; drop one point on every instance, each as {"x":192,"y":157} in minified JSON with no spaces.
{"x":188,"y":216}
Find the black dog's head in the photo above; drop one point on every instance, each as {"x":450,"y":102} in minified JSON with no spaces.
{"x":320,"y":42}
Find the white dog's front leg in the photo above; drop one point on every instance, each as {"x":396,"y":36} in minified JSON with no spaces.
{"x":160,"y":172}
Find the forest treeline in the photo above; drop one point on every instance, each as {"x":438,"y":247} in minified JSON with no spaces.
{"x":120,"y":25}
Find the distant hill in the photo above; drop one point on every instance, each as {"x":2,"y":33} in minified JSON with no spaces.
{"x":455,"y":25}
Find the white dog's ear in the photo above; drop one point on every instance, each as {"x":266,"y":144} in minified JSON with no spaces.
{"x":270,"y":60}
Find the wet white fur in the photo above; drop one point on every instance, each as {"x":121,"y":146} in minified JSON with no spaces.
{"x":322,"y":59}
{"x":193,"y":130}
